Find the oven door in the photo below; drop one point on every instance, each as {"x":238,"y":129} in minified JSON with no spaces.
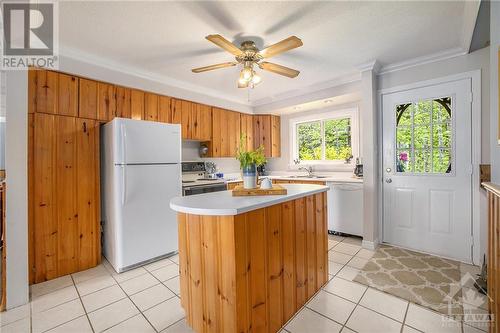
{"x":192,"y":190}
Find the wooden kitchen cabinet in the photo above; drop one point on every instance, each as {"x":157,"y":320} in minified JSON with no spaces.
{"x":106,"y":104}
{"x":42,"y":91}
{"x":201,"y":122}
{"x":87,"y":107}
{"x":123,"y":102}
{"x":164,"y":111}
{"x":151,"y":107}
{"x":137,"y":104}
{"x":65,"y":195}
{"x":225,"y":132}
{"x":246,"y":126}
{"x":267,"y":132}
{"x":67,"y":95}
{"x":181,"y":114}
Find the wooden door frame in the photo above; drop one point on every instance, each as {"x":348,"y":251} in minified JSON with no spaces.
{"x":476,"y":108}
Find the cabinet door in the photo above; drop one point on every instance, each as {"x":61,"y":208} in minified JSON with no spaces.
{"x":137,"y":104}
{"x":67,"y":95}
{"x":123,"y":102}
{"x":87,"y":198}
{"x":224,"y":133}
{"x":44,"y":198}
{"x":45,"y":92}
{"x":164,"y":112}
{"x":234,"y":132}
{"x":181,"y":114}
{"x":262,"y":130}
{"x":151,"y":107}
{"x":275,"y":136}
{"x":246,"y":124}
{"x":106,"y":107}
{"x":66,"y":190}
{"x":88,"y":99}
{"x":32,"y":90}
{"x":216,"y":132}
{"x":201,"y":122}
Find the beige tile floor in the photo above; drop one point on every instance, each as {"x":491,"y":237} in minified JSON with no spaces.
{"x":146,"y":299}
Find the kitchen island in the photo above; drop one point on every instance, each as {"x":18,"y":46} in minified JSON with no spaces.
{"x":250,"y":263}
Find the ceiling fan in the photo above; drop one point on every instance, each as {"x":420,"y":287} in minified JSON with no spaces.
{"x":249,"y":55}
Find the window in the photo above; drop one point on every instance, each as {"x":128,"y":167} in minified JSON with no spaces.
{"x":326,"y":138}
{"x":424,"y":136}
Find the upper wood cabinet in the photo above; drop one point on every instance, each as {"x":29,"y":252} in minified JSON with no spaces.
{"x":137,"y":104}
{"x":267,"y":132}
{"x":275,"y":136}
{"x":164,"y":112}
{"x":246,"y":124}
{"x":123,"y":102}
{"x":201,"y":122}
{"x":88,"y":99}
{"x":181,"y":114}
{"x":225,"y":132}
{"x":106,"y":105}
{"x":42,"y":91}
{"x":151,"y":107}
{"x":67,"y":95}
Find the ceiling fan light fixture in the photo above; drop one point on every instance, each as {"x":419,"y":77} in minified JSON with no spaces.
{"x":256,"y":79}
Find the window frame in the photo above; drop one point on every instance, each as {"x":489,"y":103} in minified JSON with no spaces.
{"x":351,"y":113}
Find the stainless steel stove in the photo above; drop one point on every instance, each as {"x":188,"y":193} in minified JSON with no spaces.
{"x":195,"y":179}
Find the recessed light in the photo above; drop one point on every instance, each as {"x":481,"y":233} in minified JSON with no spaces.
{"x":297,"y":108}
{"x":328,"y":101}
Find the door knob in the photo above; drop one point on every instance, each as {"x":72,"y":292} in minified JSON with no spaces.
{"x":388,"y":180}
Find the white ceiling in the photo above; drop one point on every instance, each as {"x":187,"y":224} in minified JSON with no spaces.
{"x":166,"y":39}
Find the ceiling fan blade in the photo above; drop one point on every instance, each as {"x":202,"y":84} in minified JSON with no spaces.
{"x":212,"y":67}
{"x":225,"y":44}
{"x":280,"y":47}
{"x":278,"y":69}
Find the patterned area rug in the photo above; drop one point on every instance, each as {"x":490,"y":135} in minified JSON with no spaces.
{"x":420,"y":278}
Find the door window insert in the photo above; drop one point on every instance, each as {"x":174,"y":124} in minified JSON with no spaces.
{"x":424,"y":136}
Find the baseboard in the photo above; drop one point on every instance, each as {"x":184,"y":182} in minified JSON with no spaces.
{"x":369,"y":245}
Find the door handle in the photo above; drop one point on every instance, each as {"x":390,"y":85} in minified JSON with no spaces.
{"x":388,"y":180}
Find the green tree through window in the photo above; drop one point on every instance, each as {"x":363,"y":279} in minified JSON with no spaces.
{"x":424,"y":136}
{"x":324,"y":140}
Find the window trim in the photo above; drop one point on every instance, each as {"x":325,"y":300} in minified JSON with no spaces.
{"x":351,"y":113}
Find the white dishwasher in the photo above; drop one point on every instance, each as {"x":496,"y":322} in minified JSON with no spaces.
{"x":345,"y":208}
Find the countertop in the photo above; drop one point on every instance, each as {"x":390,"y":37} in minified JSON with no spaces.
{"x":223,"y":203}
{"x":335,"y":177}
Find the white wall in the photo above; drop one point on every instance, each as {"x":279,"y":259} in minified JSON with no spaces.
{"x":478,"y":60}
{"x":495,"y":44}
{"x":17,"y":188}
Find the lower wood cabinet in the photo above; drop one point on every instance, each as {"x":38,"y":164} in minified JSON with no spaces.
{"x":65,"y":196}
{"x":493,"y":254}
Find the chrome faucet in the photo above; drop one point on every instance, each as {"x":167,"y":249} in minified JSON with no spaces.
{"x":309,"y":170}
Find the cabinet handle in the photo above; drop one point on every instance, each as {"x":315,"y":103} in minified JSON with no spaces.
{"x":84,"y":127}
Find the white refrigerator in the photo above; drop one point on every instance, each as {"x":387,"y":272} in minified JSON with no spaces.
{"x":141,"y":172}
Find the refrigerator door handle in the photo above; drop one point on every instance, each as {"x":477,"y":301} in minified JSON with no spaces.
{"x":124,"y":165}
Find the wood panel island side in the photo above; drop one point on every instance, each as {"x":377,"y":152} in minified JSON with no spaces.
{"x":248,"y":264}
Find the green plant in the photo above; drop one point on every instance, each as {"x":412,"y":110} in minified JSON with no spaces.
{"x":247,"y":158}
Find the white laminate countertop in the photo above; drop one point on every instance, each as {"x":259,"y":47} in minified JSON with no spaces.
{"x":223,"y":203}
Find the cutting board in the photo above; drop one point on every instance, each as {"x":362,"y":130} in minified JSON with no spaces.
{"x":239,"y":191}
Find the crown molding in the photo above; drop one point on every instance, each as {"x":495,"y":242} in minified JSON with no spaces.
{"x":90,"y":59}
{"x":471,"y":10}
{"x":372,"y":65}
{"x":443,"y":55}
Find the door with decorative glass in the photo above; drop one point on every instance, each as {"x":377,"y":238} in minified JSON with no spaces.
{"x":427,"y":169}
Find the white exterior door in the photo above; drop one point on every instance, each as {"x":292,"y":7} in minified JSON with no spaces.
{"x":427,"y":169}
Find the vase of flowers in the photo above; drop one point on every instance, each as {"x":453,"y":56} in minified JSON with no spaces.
{"x":249,"y":161}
